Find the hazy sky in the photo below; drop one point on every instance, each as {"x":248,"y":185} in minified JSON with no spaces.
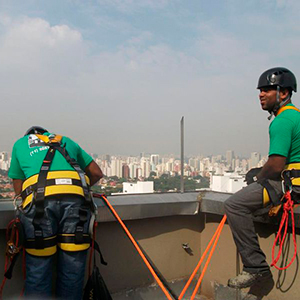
{"x":117,"y":76}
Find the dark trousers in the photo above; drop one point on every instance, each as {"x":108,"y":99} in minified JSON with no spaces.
{"x":239,"y":209}
{"x":61,"y":217}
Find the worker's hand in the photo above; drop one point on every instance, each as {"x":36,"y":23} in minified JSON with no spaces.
{"x":251,"y":175}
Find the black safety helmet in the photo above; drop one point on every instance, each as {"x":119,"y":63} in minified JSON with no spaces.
{"x":36,"y":130}
{"x":279,"y":76}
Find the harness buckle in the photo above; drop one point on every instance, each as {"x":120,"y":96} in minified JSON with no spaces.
{"x":287,"y":180}
{"x":79,"y":235}
{"x":40,"y":190}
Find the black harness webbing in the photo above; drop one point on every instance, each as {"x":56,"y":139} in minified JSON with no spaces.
{"x":273,"y":195}
{"x":288,"y":176}
{"x":39,"y":195}
{"x":83,"y":213}
{"x":76,"y":167}
{"x":46,"y":243}
{"x":72,"y":239}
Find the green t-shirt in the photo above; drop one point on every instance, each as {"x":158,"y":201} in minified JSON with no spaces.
{"x":284,"y":134}
{"x":29,"y":152}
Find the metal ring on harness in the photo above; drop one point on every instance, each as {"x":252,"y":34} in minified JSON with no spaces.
{"x":287,"y":179}
{"x":16,"y":206}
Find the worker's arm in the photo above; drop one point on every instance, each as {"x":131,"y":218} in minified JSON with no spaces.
{"x":272,"y":168}
{"x":93,"y":172}
{"x":17,"y":183}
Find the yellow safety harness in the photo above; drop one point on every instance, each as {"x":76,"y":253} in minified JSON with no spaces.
{"x":291,"y":171}
{"x":48,"y":183}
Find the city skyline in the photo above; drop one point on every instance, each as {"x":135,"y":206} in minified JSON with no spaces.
{"x":117,"y":76}
{"x":141,"y":166}
{"x":4,"y":154}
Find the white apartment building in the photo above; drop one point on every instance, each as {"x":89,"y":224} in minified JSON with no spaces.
{"x":140,"y":187}
{"x":116,"y":167}
{"x":227,"y":183}
{"x":146,"y":167}
{"x":4,"y":161}
{"x":254,"y":160}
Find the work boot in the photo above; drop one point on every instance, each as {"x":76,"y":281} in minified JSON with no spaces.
{"x":246,"y":279}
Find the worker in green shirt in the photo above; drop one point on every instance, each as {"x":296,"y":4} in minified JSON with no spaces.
{"x":53,"y":175}
{"x":276,"y":86}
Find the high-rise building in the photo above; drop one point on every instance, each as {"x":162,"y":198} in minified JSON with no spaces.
{"x":154,"y":159}
{"x":229,"y":157}
{"x":254,"y":159}
{"x":145,"y":166}
{"x":125,"y":171}
{"x":116,"y":166}
{"x":132,"y":170}
{"x":170,"y":166}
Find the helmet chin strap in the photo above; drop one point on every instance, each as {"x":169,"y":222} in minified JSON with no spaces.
{"x":278,"y":104}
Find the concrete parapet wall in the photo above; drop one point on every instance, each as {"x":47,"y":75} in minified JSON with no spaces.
{"x":161,"y":224}
{"x":223,"y":263}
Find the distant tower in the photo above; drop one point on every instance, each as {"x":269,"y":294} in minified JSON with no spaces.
{"x":125,"y":171}
{"x":229,"y":157}
{"x":4,"y":156}
{"x":154,"y":159}
{"x":254,"y":159}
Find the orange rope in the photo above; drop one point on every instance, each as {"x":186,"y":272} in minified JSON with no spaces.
{"x":136,"y":247}
{"x":202,"y":258}
{"x":209,"y":258}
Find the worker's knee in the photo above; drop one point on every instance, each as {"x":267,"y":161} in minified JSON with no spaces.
{"x":231,"y":204}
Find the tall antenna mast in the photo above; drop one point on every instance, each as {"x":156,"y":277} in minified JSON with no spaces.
{"x":182,"y":155}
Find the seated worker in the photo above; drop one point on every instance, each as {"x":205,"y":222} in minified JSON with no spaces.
{"x":53,"y":174}
{"x":276,"y":86}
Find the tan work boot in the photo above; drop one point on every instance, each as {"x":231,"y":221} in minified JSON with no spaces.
{"x":246,"y":279}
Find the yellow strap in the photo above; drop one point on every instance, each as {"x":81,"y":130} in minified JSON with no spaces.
{"x":56,"y":139}
{"x":73,"y":247}
{"x":281,"y":109}
{"x":48,"y":251}
{"x":266,"y":198}
{"x":42,"y":252}
{"x":53,"y":175}
{"x":56,"y":189}
{"x":292,"y":166}
{"x":296,"y":166}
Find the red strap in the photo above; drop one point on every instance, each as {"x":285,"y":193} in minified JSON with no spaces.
{"x":4,"y":279}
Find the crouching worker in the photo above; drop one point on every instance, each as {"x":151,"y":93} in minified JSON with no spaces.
{"x":53,"y":175}
{"x":276,"y":86}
